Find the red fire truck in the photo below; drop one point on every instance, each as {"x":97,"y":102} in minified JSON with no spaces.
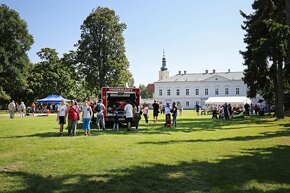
{"x":115,"y":99}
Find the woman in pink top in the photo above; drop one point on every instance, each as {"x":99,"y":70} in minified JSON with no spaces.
{"x":73,"y":118}
{"x":145,"y":112}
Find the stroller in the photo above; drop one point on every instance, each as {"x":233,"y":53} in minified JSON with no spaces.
{"x":167,"y":120}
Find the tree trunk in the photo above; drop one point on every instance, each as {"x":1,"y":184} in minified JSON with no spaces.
{"x":287,"y":3}
{"x":287,"y":64}
{"x":279,"y":95}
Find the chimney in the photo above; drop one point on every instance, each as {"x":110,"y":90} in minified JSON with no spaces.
{"x":229,"y":70}
{"x":213,"y":71}
{"x":179,"y":72}
{"x":184,"y":71}
{"x":206,"y":71}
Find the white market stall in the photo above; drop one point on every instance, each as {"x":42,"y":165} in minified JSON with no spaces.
{"x":233,"y":100}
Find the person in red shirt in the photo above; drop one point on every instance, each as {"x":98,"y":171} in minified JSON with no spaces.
{"x":33,"y":108}
{"x":73,"y":118}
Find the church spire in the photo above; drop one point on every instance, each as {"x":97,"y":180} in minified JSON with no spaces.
{"x":163,"y":68}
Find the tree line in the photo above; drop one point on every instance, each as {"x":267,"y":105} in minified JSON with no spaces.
{"x":99,"y":60}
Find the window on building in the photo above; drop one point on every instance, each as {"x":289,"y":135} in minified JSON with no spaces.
{"x":237,"y":91}
{"x":187,"y":103}
{"x":177,"y":92}
{"x":160,"y":92}
{"x":197,"y":91}
{"x":187,"y":92}
{"x":226,"y":91}
{"x":168,"y":92}
{"x":216,"y":91}
{"x":206,"y":91}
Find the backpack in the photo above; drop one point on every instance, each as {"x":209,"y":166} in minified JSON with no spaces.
{"x":98,"y":108}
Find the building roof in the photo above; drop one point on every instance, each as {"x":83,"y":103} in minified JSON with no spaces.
{"x":197,"y":77}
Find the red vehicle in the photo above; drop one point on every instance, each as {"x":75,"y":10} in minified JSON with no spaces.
{"x":115,"y":99}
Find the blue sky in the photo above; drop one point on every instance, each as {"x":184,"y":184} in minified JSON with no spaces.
{"x":196,"y":35}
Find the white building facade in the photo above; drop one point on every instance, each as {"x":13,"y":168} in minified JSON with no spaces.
{"x":190,"y":89}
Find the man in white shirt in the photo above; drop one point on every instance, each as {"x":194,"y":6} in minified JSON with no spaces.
{"x":12,"y":109}
{"x":61,"y":114}
{"x":128,"y":111}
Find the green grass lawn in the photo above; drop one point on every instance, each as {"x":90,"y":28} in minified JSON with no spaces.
{"x":200,"y":155}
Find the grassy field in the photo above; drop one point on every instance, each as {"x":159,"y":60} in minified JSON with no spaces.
{"x":200,"y":155}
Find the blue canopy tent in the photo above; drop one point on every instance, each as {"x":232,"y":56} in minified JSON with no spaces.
{"x":52,"y":99}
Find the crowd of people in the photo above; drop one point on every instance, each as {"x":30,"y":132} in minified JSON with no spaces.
{"x":227,"y":111}
{"x":94,"y":113}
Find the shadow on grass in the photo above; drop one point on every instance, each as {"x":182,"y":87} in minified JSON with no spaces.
{"x":264,"y":135}
{"x":259,"y":170}
{"x":208,"y":124}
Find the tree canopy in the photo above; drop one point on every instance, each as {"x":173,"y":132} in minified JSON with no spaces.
{"x":53,"y":75}
{"x":101,"y":51}
{"x":145,"y":93}
{"x":15,"y":41}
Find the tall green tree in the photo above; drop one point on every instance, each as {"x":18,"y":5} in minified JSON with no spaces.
{"x":15,"y":41}
{"x":101,"y":51}
{"x":53,"y":75}
{"x":265,"y":57}
{"x":78,"y":91}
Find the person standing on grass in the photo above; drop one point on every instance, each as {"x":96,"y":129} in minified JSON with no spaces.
{"x":22,"y":110}
{"x":33,"y":108}
{"x":73,"y":118}
{"x":155,"y":111}
{"x":167,"y":115}
{"x":174,"y":114}
{"x":116,"y":119}
{"x":226,"y":111}
{"x":61,"y":114}
{"x":100,"y":120}
{"x":12,"y":109}
{"x":137,"y":117}
{"x":230,"y":111}
{"x":197,"y":107}
{"x":87,"y":113}
{"x":145,"y":112}
{"x":128,"y":111}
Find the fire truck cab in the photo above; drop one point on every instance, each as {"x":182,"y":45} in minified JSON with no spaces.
{"x":115,"y":99}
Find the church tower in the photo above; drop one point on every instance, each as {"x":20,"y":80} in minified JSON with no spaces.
{"x":163,"y":73}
